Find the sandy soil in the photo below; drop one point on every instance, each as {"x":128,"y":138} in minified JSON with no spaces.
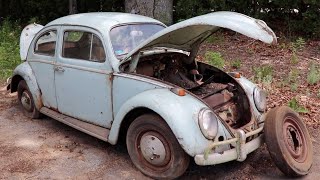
{"x":47,"y":149}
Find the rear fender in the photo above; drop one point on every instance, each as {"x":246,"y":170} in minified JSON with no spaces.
{"x":179,"y":112}
{"x":24,"y":71}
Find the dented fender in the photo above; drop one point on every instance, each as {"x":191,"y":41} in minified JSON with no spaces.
{"x":179,"y":112}
{"x":24,"y":70}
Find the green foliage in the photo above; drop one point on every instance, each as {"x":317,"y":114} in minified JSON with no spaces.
{"x":294,"y":58}
{"x":294,"y":87}
{"x":236,"y":64}
{"x":215,"y":59}
{"x":74,"y":36}
{"x":29,"y":11}
{"x":215,"y":39}
{"x":298,"y":44}
{"x":292,"y":79}
{"x":293,"y":75}
{"x":294,"y":17}
{"x":293,"y":103}
{"x":313,"y":74}
{"x":263,"y":74}
{"x":9,"y":47}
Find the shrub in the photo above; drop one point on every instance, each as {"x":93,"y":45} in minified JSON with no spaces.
{"x":294,"y":58}
{"x":298,"y":44}
{"x":215,"y":59}
{"x":293,"y":75}
{"x":263,"y":74}
{"x":313,"y":75}
{"x":9,"y":47}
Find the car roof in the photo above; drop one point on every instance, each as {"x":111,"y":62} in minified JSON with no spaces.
{"x":102,"y":20}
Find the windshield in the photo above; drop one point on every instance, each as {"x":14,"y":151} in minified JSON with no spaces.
{"x":126,"y":37}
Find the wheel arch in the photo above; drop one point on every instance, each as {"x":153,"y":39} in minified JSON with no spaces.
{"x":14,"y":83}
{"x":24,"y":72}
{"x":130,"y":117}
{"x":180,"y":113}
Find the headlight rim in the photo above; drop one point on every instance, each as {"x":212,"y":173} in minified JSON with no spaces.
{"x":260,"y":103}
{"x":201,"y":123}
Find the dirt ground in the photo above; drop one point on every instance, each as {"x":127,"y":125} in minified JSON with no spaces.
{"x":47,"y":149}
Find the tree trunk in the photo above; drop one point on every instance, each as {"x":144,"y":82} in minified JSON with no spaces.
{"x":159,"y":9}
{"x":72,"y":6}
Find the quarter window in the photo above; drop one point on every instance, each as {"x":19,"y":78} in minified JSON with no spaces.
{"x":83,"y":45}
{"x":46,"y":43}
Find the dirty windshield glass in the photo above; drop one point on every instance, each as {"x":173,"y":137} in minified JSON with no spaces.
{"x":127,"y":37}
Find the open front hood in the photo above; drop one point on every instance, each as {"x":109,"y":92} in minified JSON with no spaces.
{"x":185,"y":34}
{"x":26,"y":37}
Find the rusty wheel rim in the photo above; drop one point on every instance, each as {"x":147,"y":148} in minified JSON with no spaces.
{"x":295,"y":140}
{"x":26,"y":101}
{"x":147,"y":162}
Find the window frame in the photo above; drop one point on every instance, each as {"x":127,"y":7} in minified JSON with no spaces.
{"x":84,"y":30}
{"x":39,"y":36}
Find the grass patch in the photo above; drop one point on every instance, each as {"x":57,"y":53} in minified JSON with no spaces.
{"x":236,"y":64}
{"x":216,"y":38}
{"x":9,"y":48}
{"x":215,"y":59}
{"x":293,"y":103}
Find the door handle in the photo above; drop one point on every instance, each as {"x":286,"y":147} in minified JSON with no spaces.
{"x":58,"y":69}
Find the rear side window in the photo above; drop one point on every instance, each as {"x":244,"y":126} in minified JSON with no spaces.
{"x":46,"y":43}
{"x":83,"y":45}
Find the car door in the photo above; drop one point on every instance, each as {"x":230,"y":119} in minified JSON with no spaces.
{"x":42,"y":56}
{"x":83,"y":76}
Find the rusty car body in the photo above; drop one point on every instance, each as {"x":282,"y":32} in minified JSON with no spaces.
{"x":169,"y":106}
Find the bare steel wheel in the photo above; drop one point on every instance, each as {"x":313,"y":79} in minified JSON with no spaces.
{"x":26,"y":100}
{"x":288,"y":141}
{"x":154,"y":149}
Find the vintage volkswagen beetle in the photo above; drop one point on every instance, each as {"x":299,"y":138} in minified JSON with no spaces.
{"x":108,"y":74}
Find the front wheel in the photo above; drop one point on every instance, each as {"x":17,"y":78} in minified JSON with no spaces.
{"x":154,"y":149}
{"x":288,"y":141}
{"x":26,"y":100}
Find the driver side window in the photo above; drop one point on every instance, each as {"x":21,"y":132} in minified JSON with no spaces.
{"x":82,"y":45}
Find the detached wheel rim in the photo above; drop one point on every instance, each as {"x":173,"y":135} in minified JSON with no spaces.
{"x":295,"y":139}
{"x":153,"y":150}
{"x":26,"y":101}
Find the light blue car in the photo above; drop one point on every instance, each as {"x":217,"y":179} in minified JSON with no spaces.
{"x":114,"y":74}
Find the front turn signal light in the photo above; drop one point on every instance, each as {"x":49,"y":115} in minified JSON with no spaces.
{"x":235,"y":74}
{"x":179,"y":91}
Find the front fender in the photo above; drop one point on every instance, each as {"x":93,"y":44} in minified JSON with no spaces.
{"x":179,"y":112}
{"x":24,"y":70}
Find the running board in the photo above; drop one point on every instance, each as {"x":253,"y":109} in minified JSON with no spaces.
{"x":93,"y":130}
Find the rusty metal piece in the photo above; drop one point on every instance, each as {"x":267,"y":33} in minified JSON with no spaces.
{"x":146,"y":68}
{"x":295,"y":139}
{"x":218,"y":99}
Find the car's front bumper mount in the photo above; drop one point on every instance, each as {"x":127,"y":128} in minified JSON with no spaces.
{"x":238,"y":153}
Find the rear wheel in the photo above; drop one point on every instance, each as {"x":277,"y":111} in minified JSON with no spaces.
{"x":154,"y":149}
{"x":288,"y":141}
{"x":26,"y":100}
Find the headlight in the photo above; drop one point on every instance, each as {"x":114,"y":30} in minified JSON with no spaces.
{"x":208,"y":123}
{"x":260,"y":99}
